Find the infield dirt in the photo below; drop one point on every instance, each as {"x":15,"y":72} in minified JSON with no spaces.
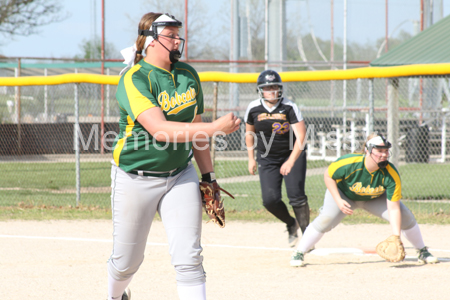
{"x":57,"y":260}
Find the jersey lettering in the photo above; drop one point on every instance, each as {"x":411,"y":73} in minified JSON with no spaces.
{"x":178,"y":102}
{"x":163,"y":100}
{"x":357,"y":188}
{"x":265,"y":116}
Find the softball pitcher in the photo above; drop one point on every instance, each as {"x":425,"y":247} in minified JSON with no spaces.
{"x":270,"y":121}
{"x":160,"y":102}
{"x":366,"y":181}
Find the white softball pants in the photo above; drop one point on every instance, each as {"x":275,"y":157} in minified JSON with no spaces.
{"x":330,"y":215}
{"x":134,"y":203}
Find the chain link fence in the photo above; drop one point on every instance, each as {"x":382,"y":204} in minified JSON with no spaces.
{"x":38,"y":162}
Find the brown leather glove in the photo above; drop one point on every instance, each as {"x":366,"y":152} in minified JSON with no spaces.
{"x":213,"y":202}
{"x":391,"y":249}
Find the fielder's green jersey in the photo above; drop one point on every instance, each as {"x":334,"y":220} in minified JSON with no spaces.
{"x":358,"y":184}
{"x":179,"y":96}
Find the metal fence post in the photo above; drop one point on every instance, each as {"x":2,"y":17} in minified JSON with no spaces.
{"x":46,"y":98}
{"x":393,"y":122}
{"x":358,"y":91}
{"x":107,"y":98}
{"x":353,"y":135}
{"x":344,"y":111}
{"x":18,"y":108}
{"x":339,"y":137}
{"x":371,"y":108}
{"x":77,"y":144}
{"x":214,"y":117}
{"x":444,"y":135}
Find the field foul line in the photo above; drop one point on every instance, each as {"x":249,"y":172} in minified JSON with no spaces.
{"x":150,"y":243}
{"x":318,"y":252}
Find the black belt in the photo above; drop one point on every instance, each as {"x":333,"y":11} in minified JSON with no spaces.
{"x":156,"y":173}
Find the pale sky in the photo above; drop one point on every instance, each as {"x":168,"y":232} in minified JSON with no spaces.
{"x":365,"y":22}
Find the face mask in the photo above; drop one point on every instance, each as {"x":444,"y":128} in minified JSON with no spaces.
{"x":174,"y":56}
{"x":382,"y":164}
{"x":157,"y":27}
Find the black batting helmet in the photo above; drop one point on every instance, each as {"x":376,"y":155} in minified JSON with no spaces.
{"x":269,"y":78}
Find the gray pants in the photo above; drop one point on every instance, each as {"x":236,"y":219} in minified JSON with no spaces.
{"x":330,"y":215}
{"x":135,"y":201}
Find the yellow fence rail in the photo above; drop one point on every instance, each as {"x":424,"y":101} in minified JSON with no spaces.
{"x":321,"y":75}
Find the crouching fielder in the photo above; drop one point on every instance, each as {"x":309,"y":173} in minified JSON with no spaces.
{"x":366,"y":181}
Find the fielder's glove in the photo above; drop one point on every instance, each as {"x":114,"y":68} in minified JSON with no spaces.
{"x":212,"y":202}
{"x":391,"y":249}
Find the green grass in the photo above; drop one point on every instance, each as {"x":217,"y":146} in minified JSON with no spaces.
{"x":424,"y":181}
{"x":47,"y":190}
{"x":54,"y":176}
{"x":32,"y":198}
{"x":53,"y":213}
{"x":232,"y":168}
{"x":60,"y":176}
{"x":248,"y":195}
{"x":22,"y":212}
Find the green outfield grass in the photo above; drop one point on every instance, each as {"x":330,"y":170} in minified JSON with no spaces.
{"x":50,"y":187}
{"x":425,"y":181}
{"x":22,"y":212}
{"x":61,"y":176}
{"x":232,"y":168}
{"x":249,"y":197}
{"x":54,"y":176}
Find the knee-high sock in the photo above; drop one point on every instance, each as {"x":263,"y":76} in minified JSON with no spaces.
{"x":309,"y":239}
{"x":116,"y":287}
{"x":280,"y":211}
{"x":302,"y":216}
{"x":192,"y":292}
{"x":414,"y":236}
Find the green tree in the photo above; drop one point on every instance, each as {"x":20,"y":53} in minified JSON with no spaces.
{"x":393,"y":42}
{"x":23,"y":17}
{"x":92,"y":49}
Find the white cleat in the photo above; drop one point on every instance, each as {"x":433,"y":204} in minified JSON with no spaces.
{"x":297,"y":259}
{"x":425,"y":257}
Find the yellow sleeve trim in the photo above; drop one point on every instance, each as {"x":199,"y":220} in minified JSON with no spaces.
{"x":398,"y":184}
{"x":121,"y":143}
{"x":195,"y":113}
{"x":138,"y":102}
{"x":149,"y":81}
{"x":340,"y":163}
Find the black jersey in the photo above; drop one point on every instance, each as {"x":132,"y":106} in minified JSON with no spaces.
{"x":272,"y":125}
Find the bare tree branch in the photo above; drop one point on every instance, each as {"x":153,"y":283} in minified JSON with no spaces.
{"x":199,"y":28}
{"x":23,"y":17}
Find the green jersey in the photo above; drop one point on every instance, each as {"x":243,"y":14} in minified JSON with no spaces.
{"x":358,"y":184}
{"x":179,"y":96}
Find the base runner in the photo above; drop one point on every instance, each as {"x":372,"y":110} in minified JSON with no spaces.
{"x":274,"y":124}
